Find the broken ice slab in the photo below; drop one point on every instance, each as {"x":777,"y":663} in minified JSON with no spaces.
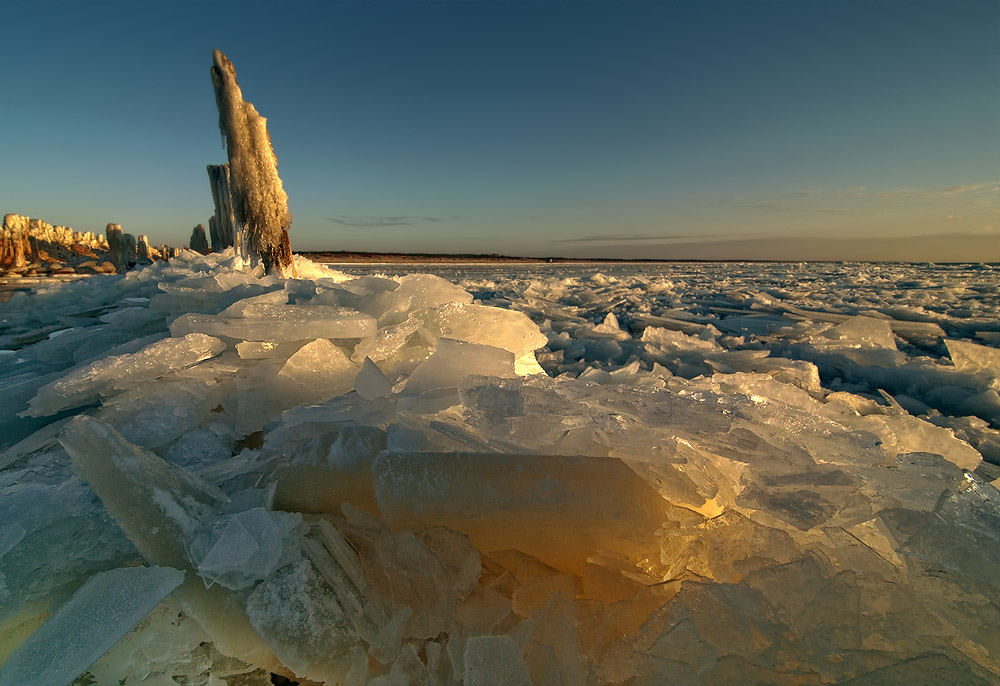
{"x":905,"y":329}
{"x":453,"y":361}
{"x":559,"y":509}
{"x":506,"y":329}
{"x":903,"y":433}
{"x":87,"y":625}
{"x":257,"y":305}
{"x":321,"y":364}
{"x":973,"y":358}
{"x":863,"y":332}
{"x":109,"y":375}
{"x":414,"y":292}
{"x":159,"y":507}
{"x":280,"y":323}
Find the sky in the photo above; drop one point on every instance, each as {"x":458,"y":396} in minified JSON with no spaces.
{"x":740,"y":129}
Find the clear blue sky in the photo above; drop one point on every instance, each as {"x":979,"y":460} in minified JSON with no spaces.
{"x":744,"y":129}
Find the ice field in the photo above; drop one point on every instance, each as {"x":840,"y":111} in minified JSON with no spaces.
{"x":512,"y":474}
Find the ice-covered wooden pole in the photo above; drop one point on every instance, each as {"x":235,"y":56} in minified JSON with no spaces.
{"x":221,"y":224}
{"x":260,"y":205}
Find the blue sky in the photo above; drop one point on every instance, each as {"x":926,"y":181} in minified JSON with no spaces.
{"x":741,"y":129}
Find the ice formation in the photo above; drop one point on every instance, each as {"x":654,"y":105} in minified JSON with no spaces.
{"x":258,"y":200}
{"x":683,"y":475}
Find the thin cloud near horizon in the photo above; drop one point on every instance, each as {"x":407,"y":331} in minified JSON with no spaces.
{"x":368,"y":222}
{"x":857,"y":199}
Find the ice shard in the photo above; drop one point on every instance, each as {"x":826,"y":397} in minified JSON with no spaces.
{"x":259,"y":202}
{"x":103,"y":610}
{"x":111,"y":374}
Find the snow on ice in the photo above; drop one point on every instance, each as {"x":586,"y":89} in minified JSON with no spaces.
{"x":673,"y":474}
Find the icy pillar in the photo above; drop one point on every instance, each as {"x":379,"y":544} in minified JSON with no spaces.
{"x":260,"y":205}
{"x":15,"y":240}
{"x":220,"y":226}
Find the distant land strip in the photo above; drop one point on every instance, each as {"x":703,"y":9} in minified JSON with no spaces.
{"x":345,"y":256}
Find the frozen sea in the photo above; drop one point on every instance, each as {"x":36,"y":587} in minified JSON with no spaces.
{"x":670,"y":473}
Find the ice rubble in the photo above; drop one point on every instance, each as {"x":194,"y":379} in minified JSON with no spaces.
{"x":368,"y":480}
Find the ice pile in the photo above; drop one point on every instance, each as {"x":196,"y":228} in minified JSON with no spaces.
{"x":370,"y":480}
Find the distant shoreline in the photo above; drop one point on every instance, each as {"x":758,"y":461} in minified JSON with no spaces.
{"x":350,"y":257}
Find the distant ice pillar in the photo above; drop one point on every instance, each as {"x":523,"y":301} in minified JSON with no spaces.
{"x":199,"y":242}
{"x":15,"y":241}
{"x":221,"y":225}
{"x":260,"y":205}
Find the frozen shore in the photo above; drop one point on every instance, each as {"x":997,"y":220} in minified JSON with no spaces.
{"x":691,"y":475}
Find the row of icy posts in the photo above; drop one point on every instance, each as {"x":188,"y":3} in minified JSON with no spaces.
{"x":125,"y":250}
{"x":23,"y":239}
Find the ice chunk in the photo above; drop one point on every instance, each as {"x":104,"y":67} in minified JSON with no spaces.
{"x":415,"y":292}
{"x":610,"y":327}
{"x":453,"y":361}
{"x":972,"y":358}
{"x":107,"y":376}
{"x":867,"y":332}
{"x":298,"y":615}
{"x":371,"y":383}
{"x":54,"y":534}
{"x":494,"y":660}
{"x":387,"y":644}
{"x":321,"y":365}
{"x":506,"y":329}
{"x":904,"y":434}
{"x":101,"y":611}
{"x":257,"y":305}
{"x":675,"y":342}
{"x":559,"y":509}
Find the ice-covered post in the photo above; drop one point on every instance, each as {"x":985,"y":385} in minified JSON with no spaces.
{"x":142,"y":249}
{"x":15,"y":239}
{"x":260,"y":205}
{"x":199,"y":242}
{"x":221,"y":225}
{"x":116,"y":247}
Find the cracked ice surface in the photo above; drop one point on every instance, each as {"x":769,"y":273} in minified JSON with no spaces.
{"x":725,"y":474}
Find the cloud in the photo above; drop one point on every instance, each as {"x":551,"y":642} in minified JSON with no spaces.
{"x":935,"y":194}
{"x":853,"y":200}
{"x":368,"y":221}
{"x":784,"y":203}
